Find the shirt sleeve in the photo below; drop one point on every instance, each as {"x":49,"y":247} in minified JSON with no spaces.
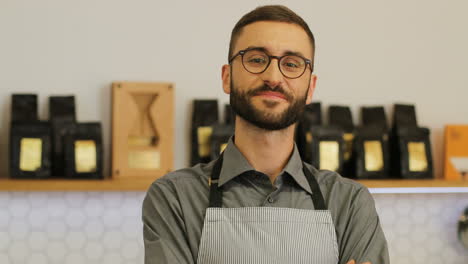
{"x":163,"y":227}
{"x":363,"y":239}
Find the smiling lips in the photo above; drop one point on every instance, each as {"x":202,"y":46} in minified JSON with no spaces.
{"x":272,"y":95}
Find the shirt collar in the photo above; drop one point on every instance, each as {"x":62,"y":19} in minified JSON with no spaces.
{"x":234,"y":164}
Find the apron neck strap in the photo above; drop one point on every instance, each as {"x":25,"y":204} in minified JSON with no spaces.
{"x":317,"y":197}
{"x":216,"y":194}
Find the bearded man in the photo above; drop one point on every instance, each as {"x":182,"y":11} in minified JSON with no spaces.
{"x":259,"y":202}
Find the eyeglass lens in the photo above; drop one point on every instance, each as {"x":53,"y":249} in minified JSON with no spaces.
{"x":256,"y":61}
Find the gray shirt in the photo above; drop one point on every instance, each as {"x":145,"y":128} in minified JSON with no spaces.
{"x":175,"y":204}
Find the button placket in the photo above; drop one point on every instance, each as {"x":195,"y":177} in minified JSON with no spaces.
{"x":276,"y":190}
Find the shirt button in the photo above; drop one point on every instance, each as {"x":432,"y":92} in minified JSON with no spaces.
{"x":271,"y":200}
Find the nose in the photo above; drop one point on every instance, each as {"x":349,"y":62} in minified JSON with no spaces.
{"x":272,"y":76}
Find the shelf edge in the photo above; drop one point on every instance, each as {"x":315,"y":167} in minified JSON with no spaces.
{"x":418,"y":190}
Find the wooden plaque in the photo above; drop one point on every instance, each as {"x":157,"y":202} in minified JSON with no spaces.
{"x":142,"y":129}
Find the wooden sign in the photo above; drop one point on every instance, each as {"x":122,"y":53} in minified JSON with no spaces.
{"x":456,"y":152}
{"x":142,"y":129}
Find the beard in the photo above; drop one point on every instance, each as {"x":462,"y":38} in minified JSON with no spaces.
{"x":241,"y":103}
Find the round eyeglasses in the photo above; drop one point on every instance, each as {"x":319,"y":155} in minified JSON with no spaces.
{"x":257,"y":61}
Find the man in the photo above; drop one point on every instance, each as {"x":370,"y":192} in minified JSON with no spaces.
{"x":259,"y":203}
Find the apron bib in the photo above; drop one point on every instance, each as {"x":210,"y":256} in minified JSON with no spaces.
{"x":267,"y":235}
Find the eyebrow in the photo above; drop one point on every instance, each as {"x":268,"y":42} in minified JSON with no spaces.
{"x":287,"y":52}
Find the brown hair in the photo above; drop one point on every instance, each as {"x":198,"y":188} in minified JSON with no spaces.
{"x":277,"y":13}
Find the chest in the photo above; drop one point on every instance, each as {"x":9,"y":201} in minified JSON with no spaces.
{"x":239,"y":193}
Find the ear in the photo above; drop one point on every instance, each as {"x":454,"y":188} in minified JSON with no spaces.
{"x":310,"y":92}
{"x":226,"y":77}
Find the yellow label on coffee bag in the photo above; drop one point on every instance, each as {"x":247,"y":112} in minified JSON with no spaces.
{"x":30,"y":154}
{"x":417,"y":156}
{"x":85,"y":156}
{"x":373,"y":155}
{"x":329,"y":155}
{"x":204,"y":139}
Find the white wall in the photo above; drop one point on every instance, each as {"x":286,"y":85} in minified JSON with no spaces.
{"x":368,"y":52}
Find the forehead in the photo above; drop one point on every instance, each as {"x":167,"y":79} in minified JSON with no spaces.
{"x":276,"y":37}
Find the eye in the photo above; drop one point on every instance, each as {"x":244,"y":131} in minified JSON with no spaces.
{"x":292,"y":63}
{"x":257,"y":60}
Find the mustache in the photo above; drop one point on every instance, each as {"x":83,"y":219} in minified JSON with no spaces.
{"x":266,"y":88}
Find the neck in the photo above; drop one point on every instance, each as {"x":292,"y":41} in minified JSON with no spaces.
{"x":266,"y":151}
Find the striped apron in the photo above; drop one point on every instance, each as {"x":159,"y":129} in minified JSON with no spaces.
{"x":267,"y":235}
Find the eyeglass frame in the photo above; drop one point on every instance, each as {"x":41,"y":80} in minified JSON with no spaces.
{"x":270,"y":57}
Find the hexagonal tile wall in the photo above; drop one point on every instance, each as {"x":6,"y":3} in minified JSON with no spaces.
{"x":421,"y":228}
{"x":71,"y":227}
{"x":105,"y":227}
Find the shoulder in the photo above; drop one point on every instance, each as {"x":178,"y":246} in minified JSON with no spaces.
{"x":328,"y":179}
{"x":180,"y":179}
{"x":178,"y":188}
{"x":340,"y":191}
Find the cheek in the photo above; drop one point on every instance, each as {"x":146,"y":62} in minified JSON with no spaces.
{"x":298,"y":86}
{"x":244,"y":80}
{"x":293,"y":85}
{"x":238,"y":73}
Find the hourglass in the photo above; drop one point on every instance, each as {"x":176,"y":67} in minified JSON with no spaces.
{"x":143,"y":132}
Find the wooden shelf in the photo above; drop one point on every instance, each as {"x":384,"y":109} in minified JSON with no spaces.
{"x":142,"y":184}
{"x":397,"y":183}
{"x":136,"y":184}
